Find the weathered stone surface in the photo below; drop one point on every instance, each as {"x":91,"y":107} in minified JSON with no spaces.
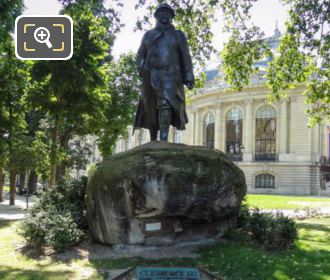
{"x":162,"y":193}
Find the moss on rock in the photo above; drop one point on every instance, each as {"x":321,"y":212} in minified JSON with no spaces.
{"x":175,"y":185}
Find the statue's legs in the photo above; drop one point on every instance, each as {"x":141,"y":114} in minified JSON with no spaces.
{"x":164,"y":123}
{"x":153,"y":134}
{"x":165,"y":115}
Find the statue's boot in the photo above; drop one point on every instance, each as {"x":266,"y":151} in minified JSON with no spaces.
{"x":164,"y":123}
{"x":153,"y":134}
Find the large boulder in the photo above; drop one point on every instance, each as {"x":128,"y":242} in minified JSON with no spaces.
{"x":162,"y":193}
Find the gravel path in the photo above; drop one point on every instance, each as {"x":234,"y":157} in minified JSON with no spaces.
{"x":16,"y":212}
{"x":97,"y":251}
{"x":300,"y":213}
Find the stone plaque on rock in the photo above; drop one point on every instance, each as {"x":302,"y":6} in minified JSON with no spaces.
{"x":158,"y":273}
{"x":167,"y":273}
{"x":153,"y":226}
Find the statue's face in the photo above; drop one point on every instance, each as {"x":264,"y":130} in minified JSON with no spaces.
{"x":164,"y":16}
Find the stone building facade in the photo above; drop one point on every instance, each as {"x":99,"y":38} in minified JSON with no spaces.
{"x":271,"y":143}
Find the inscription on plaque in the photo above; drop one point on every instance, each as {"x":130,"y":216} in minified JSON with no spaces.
{"x":166,"y":273}
{"x":153,"y":226}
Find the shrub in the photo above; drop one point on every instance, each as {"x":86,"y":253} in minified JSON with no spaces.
{"x":282,"y":234}
{"x":63,"y":232}
{"x":34,"y":228}
{"x":243,"y":219}
{"x":58,"y":217}
{"x":274,"y":232}
{"x":259,"y":224}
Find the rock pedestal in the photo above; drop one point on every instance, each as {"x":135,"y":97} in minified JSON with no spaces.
{"x":162,"y":193}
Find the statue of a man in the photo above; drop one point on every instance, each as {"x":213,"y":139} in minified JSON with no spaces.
{"x":164,"y":63}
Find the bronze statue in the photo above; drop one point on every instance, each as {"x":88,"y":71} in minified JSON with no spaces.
{"x":164,"y":63}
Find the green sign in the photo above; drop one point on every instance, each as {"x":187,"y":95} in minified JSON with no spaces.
{"x":166,"y":273}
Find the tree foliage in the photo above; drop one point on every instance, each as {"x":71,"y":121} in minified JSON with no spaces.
{"x":238,"y":58}
{"x":303,"y":52}
{"x":20,"y":149}
{"x":124,"y":87}
{"x":74,"y":92}
{"x":305,"y":56}
{"x":13,"y":83}
{"x":195,"y":19}
{"x":245,"y":44}
{"x":9,"y":10}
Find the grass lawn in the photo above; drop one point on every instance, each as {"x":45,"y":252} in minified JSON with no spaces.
{"x":286,"y":202}
{"x":14,"y":265}
{"x":239,"y":259}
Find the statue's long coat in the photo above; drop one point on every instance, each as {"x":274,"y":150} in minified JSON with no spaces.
{"x":164,"y":62}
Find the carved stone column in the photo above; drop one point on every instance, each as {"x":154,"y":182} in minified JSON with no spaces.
{"x":249,"y":138}
{"x":217,"y":128}
{"x":197,"y":128}
{"x":192,"y":127}
{"x":283,"y":126}
{"x":222,"y":131}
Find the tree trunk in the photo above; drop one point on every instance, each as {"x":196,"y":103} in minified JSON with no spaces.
{"x":64,"y":144}
{"x":12,"y":181}
{"x":2,"y":182}
{"x":21,"y":183}
{"x":32,"y":182}
{"x":53,"y":153}
{"x":12,"y":173}
{"x":60,"y":172}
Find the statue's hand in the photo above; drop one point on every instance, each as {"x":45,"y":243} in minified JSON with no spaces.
{"x":190,"y":84}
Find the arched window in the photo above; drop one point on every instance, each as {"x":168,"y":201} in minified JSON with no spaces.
{"x":209,"y":130}
{"x":265,"y":133}
{"x":265,"y":181}
{"x":234,"y":132}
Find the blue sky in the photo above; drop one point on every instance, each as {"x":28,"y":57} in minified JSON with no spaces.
{"x":265,"y":14}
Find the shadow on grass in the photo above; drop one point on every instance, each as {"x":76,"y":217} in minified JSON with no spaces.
{"x":4,"y":224}
{"x":39,"y":273}
{"x":318,"y":227}
{"x":310,"y":259}
{"x":37,"y":253}
{"x":240,"y":258}
{"x":32,"y":252}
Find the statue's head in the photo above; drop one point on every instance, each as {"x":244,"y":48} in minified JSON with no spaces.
{"x":164,"y":13}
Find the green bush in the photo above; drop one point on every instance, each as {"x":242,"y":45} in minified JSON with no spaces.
{"x":243,"y":218}
{"x":63,"y":232}
{"x":259,"y":224}
{"x":274,"y":232}
{"x":282,"y":234}
{"x":58,"y":217}
{"x":34,"y":228}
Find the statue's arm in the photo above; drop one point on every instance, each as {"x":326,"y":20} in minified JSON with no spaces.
{"x":186,"y":60}
{"x":141,"y":54}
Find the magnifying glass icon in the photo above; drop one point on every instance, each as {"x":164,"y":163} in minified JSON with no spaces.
{"x":41,"y":35}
